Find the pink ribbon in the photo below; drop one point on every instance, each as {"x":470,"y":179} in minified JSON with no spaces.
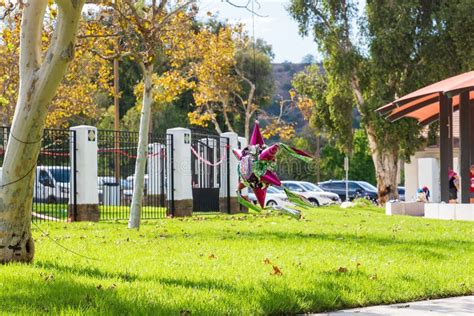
{"x":206,"y":161}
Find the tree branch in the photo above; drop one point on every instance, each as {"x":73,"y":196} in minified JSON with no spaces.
{"x":61,"y":50}
{"x":247,"y":7}
{"x":30,"y":43}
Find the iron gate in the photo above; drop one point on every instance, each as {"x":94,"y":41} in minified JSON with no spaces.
{"x":116,"y":167}
{"x":53,"y":199}
{"x":210,"y":178}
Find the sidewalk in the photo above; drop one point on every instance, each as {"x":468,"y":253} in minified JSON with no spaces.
{"x":459,"y":306}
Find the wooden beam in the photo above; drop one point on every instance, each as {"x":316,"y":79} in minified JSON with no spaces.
{"x":450,"y":110}
{"x":400,"y":114}
{"x":444,"y":146}
{"x":464,"y":146}
{"x":435,"y":117}
{"x":471,"y":131}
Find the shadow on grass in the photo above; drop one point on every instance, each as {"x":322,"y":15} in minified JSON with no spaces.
{"x":430,"y":247}
{"x":87,"y":271}
{"x":333,"y":291}
{"x":66,"y":297}
{"x":59,"y":296}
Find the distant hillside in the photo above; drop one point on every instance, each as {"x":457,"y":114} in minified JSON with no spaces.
{"x":283,"y":74}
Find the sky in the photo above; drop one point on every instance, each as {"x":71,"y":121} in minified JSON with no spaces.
{"x":276,"y":27}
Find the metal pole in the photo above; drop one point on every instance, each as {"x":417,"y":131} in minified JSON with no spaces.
{"x":444,"y":146}
{"x":346,"y":168}
{"x":464,"y":146}
{"x":116,"y":120}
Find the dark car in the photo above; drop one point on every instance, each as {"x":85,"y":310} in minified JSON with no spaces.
{"x":355,"y":189}
{"x":401,"y":193}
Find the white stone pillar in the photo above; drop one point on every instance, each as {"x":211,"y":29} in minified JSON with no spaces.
{"x":233,"y":176}
{"x":84,"y":156}
{"x":242,"y":144}
{"x":411,"y":179}
{"x":178,"y":160}
{"x":155,"y":168}
{"x":428,"y":174}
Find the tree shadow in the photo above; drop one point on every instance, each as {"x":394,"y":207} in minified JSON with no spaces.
{"x":64,"y":297}
{"x":87,"y":271}
{"x":333,"y":292}
{"x":429,"y":248}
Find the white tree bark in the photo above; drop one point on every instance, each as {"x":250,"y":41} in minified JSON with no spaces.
{"x":385,"y":160}
{"x":140,"y":165}
{"x":39,"y":81}
{"x":386,"y":169}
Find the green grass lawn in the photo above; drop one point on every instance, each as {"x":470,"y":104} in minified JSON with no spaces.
{"x":107,"y":212}
{"x":222,"y":264}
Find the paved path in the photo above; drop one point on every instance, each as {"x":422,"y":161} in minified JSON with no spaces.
{"x":459,"y":306}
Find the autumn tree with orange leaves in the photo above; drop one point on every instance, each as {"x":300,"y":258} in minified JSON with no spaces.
{"x":75,"y":97}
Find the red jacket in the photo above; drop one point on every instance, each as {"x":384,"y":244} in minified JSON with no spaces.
{"x":472,"y":182}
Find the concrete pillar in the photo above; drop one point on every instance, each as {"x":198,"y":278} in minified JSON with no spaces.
{"x":179,"y":190}
{"x":428,"y":174}
{"x":411,"y":179}
{"x":242,"y":144}
{"x":155,"y":166}
{"x":457,"y":169}
{"x":84,"y":156}
{"x":229,"y":182}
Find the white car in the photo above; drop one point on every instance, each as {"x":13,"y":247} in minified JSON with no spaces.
{"x":52,"y":184}
{"x":312,"y":192}
{"x":128,"y":188}
{"x":274,"y":197}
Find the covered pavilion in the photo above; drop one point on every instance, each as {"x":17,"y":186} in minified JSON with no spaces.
{"x":437,"y":102}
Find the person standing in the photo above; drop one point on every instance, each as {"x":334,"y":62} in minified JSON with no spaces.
{"x":472,"y":184}
{"x":427,"y":193}
{"x":453,"y":186}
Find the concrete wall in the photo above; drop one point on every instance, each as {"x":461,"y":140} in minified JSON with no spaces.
{"x":428,"y":175}
{"x":423,"y":169}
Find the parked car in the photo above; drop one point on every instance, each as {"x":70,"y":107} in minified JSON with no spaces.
{"x":274,"y":197}
{"x":128,"y":188}
{"x":312,"y":192}
{"x":401,"y":193}
{"x":52,"y":184}
{"x":355,"y":189}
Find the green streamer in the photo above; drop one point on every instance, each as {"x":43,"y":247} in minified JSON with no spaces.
{"x":294,"y":154}
{"x":297,"y":199}
{"x":247,"y":204}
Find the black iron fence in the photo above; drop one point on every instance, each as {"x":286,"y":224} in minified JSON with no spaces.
{"x":116,"y":157}
{"x":209,"y":173}
{"x":53,"y":199}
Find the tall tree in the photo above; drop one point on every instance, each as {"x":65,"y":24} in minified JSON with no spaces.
{"x":401,"y":46}
{"x":39,"y":80}
{"x":149,"y":31}
{"x":247,"y":88}
{"x":213,"y":72}
{"x":75,"y":96}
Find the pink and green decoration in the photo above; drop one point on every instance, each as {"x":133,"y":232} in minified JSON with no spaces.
{"x":256,"y":169}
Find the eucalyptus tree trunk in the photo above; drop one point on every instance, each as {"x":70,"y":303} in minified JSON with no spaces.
{"x":247,"y":126}
{"x":384,"y":156}
{"x":39,"y":81}
{"x":386,"y":168}
{"x":140,"y":164}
